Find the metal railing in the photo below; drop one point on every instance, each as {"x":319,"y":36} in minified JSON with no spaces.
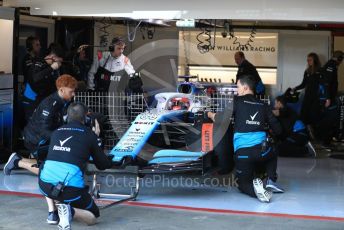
{"x":118,"y":111}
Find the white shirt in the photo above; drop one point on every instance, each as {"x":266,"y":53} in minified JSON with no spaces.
{"x":113,"y":65}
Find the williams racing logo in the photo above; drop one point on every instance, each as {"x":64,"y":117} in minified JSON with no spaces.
{"x":61,"y":147}
{"x":252,"y":121}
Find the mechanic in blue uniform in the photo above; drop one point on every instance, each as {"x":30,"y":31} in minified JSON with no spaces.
{"x":40,"y":78}
{"x":294,"y":141}
{"x":251,"y":148}
{"x":330,"y":119}
{"x":331,"y":73}
{"x":33,"y":48}
{"x":62,"y":174}
{"x":47,"y":117}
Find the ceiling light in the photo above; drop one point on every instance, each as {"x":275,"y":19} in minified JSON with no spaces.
{"x":142,"y":14}
{"x":185,"y":23}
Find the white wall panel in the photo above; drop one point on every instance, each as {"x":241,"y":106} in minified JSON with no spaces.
{"x":293,"y":49}
{"x":6,"y":45}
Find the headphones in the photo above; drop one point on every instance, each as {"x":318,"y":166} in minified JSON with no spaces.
{"x":115,"y":41}
{"x":29,"y":43}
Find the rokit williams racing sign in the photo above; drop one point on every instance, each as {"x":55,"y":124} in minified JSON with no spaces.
{"x":262,"y":51}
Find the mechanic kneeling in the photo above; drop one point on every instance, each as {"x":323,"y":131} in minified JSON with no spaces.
{"x":251,"y":148}
{"x":61,"y":176}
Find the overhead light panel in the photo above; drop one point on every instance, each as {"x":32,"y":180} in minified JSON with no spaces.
{"x":165,"y":15}
{"x":186,"y":23}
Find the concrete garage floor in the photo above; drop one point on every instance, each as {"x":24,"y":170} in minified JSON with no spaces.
{"x":314,"y":199}
{"x":18,"y":212}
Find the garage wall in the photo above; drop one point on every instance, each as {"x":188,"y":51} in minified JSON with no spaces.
{"x":6,"y":45}
{"x":38,"y":22}
{"x":339,"y":45}
{"x":293,"y":49}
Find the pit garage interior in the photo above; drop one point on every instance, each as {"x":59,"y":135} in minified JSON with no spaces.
{"x":166,"y":41}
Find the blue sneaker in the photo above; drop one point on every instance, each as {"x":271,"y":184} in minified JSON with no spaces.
{"x":9,"y":166}
{"x":53,"y":218}
{"x":273,"y":187}
{"x":65,"y":215}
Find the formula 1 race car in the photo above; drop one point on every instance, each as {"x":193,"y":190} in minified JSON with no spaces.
{"x":177,"y":123}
